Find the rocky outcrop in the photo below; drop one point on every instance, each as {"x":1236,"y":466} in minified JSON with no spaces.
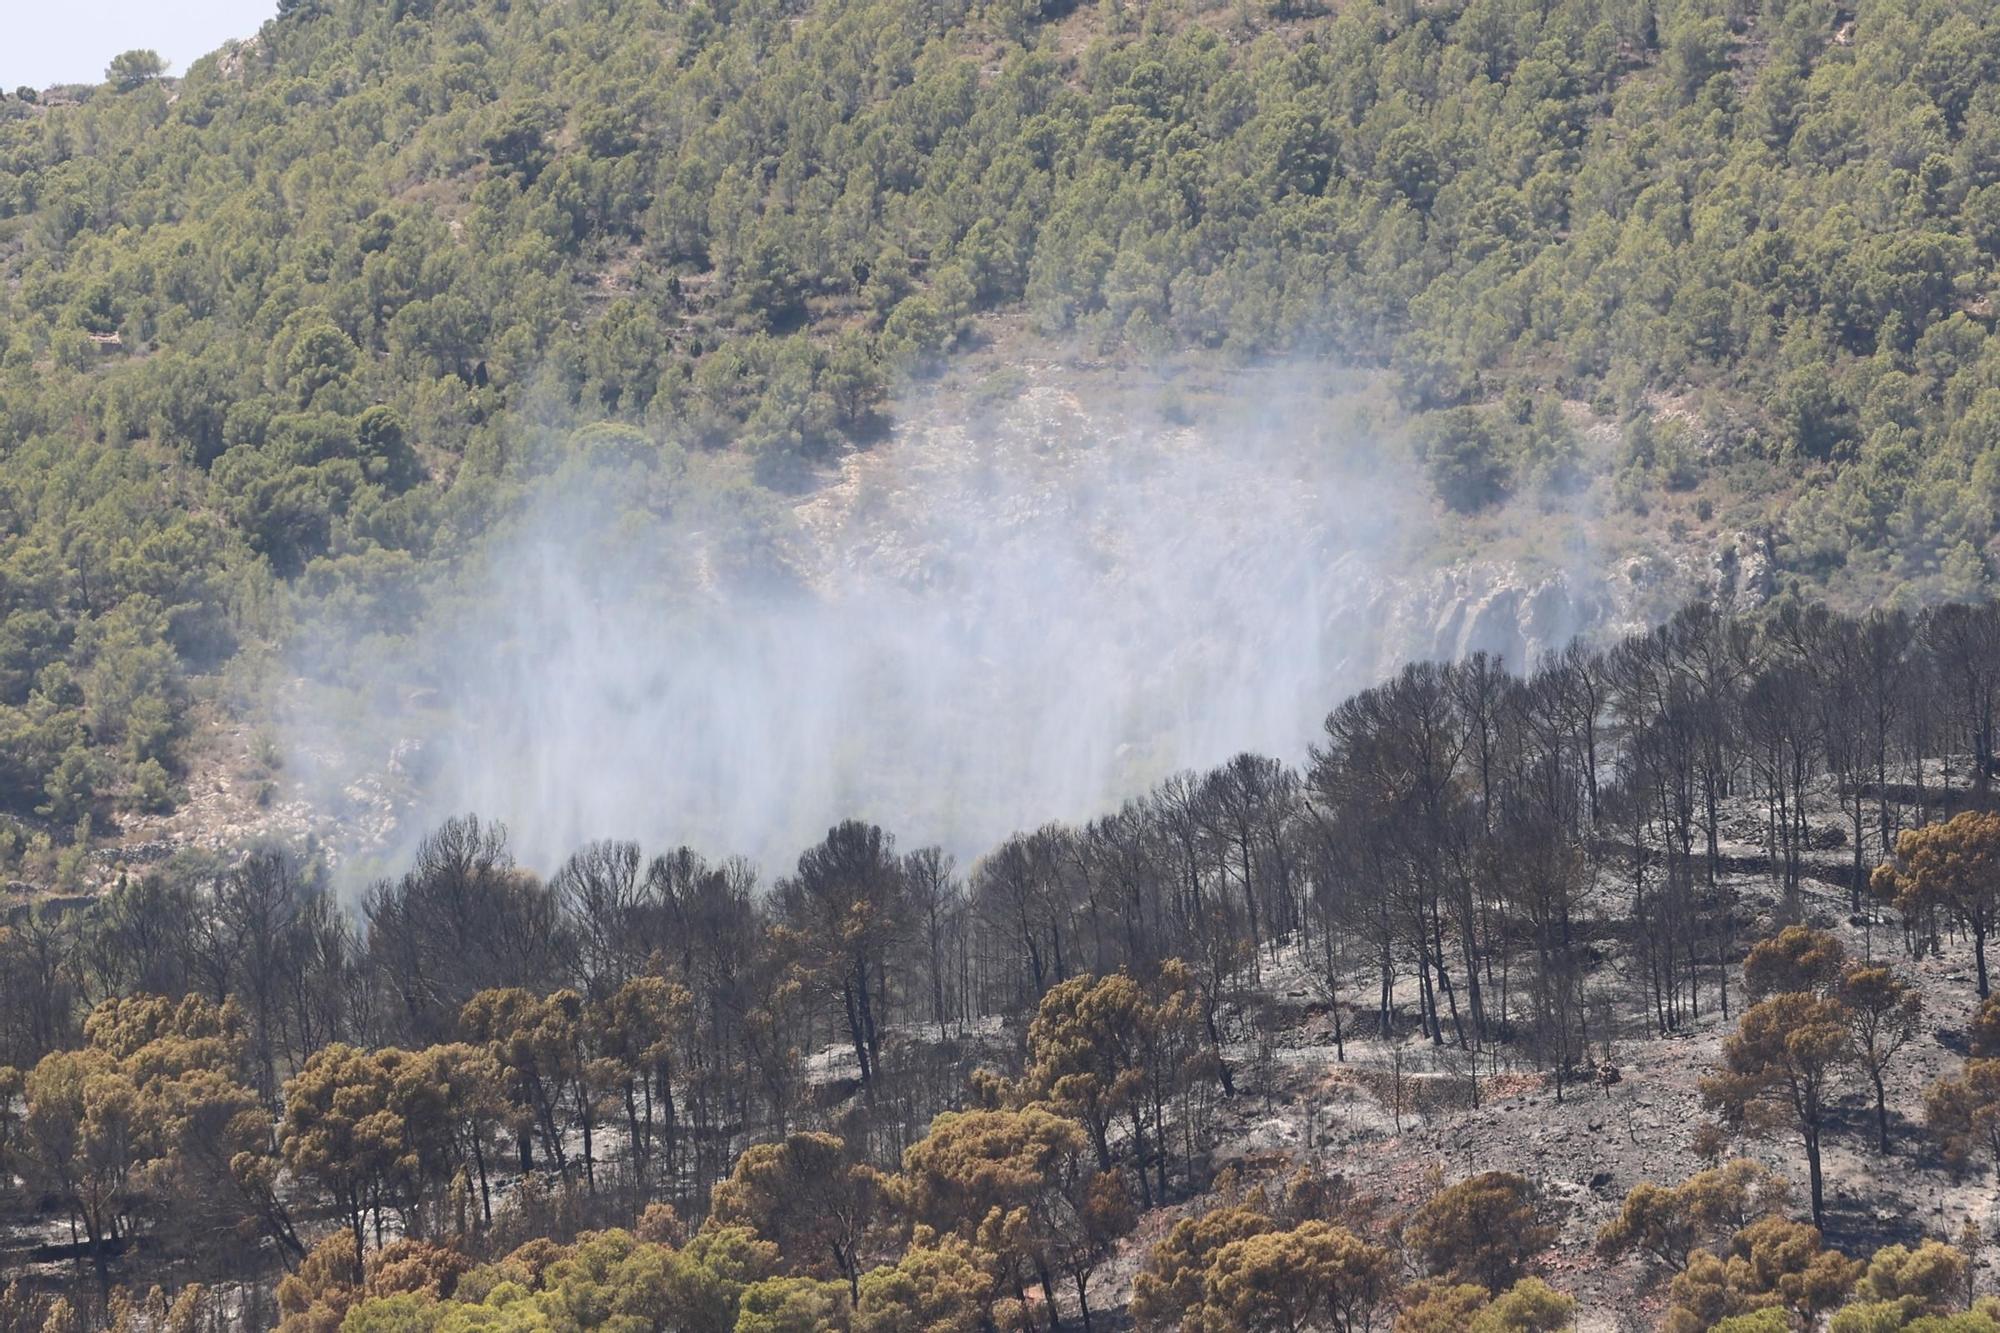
{"x":1491,"y":607}
{"x":1034,"y":452}
{"x":1517,"y":611}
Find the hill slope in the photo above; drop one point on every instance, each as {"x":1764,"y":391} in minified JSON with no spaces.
{"x":293,"y":332}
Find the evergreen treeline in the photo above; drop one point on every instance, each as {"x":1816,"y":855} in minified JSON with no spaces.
{"x":289,"y":328}
{"x":874,"y":1066}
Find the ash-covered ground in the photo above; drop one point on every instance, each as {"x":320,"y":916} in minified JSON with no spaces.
{"x":1299,"y":1103}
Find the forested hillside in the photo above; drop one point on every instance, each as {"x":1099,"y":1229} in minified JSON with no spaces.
{"x":1461,"y":1023}
{"x":290,"y":331}
{"x":1268,"y":1048}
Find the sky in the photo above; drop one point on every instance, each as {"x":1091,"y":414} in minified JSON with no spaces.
{"x":72,"y":42}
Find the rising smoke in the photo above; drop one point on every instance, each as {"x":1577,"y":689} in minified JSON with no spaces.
{"x":976,"y":629}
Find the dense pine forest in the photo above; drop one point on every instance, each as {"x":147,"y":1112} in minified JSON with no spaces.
{"x":284,"y":336}
{"x":291,"y":340}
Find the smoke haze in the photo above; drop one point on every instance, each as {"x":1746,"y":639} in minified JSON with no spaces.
{"x":974,"y":629}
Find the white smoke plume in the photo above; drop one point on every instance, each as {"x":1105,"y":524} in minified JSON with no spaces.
{"x":975,"y":629}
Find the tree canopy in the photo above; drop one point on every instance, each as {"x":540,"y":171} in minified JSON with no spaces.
{"x":294,"y":327}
